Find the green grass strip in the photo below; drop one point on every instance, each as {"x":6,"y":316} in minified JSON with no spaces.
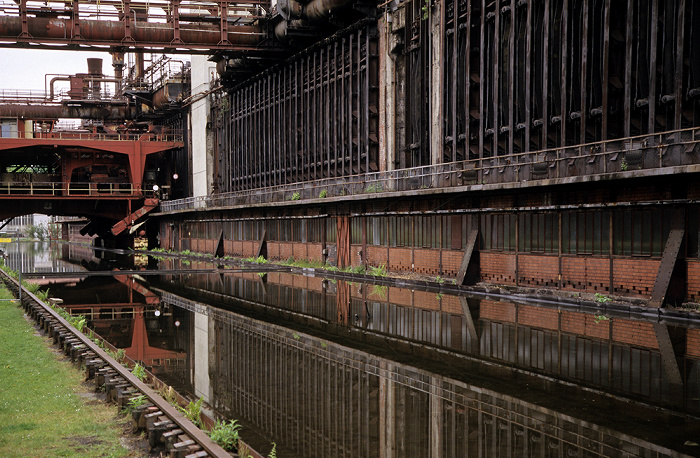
{"x":42,"y":413}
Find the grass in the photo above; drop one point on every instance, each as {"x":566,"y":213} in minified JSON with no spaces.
{"x":37,"y":389}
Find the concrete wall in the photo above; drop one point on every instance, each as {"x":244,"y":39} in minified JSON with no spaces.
{"x":202,"y":151}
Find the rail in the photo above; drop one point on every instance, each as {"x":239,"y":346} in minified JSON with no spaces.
{"x":55,"y":189}
{"x":163,"y":422}
{"x":620,"y":156}
{"x":168,"y":137}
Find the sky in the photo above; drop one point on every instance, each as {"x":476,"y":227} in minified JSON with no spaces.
{"x":26,"y":69}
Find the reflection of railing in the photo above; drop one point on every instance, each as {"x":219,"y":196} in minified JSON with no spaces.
{"x":74,"y":189}
{"x":82,"y":135}
{"x":627,"y":155}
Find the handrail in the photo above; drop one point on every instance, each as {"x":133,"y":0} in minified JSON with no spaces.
{"x":45,"y":189}
{"x":612,"y":156}
{"x":169,"y":137}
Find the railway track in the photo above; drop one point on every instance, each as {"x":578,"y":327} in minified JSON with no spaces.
{"x":167,"y":428}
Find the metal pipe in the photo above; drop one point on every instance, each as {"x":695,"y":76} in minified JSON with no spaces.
{"x":59,"y":30}
{"x":110,"y":112}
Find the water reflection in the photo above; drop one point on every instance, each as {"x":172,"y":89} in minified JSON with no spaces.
{"x":331,"y":368}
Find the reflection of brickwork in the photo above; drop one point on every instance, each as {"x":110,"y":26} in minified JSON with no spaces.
{"x":693,"y":343}
{"x":538,"y":317}
{"x":497,"y":311}
{"x":585,"y":324}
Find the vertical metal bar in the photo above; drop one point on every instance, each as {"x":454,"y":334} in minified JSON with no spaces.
{"x":337,"y":154}
{"x":564,"y":74}
{"x":528,"y":77}
{"x":482,"y":86}
{"x":467,"y":80}
{"x":652,"y":65}
{"x":453,"y":75}
{"x":358,"y":98}
{"x":365,"y":110}
{"x":306,"y":89}
{"x":328,"y":102}
{"x":545,"y":76}
{"x":343,"y":142}
{"x":295,"y":127}
{"x":584,"y":72}
{"x":628,"y":68}
{"x":511,"y":80}
{"x":350,"y":98}
{"x":680,"y":34}
{"x":606,"y":69}
{"x":315,"y":126}
{"x":496,"y":72}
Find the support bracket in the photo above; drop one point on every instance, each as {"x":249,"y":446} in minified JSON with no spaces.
{"x":672,"y":250}
{"x":467,"y":259}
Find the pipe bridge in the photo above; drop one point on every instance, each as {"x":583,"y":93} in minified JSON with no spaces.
{"x":169,"y":26}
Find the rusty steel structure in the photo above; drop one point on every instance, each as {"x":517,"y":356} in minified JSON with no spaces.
{"x":315,"y":116}
{"x":178,"y":26}
{"x":532,"y":75}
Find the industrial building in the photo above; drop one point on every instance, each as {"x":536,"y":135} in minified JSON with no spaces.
{"x":530,"y":143}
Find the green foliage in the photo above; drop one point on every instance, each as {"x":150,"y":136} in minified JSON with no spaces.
{"x":193,"y":412}
{"x":323,"y":194}
{"x":425,"y":9}
{"x":379,"y":290}
{"x":136,"y":402}
{"x":598,"y":318}
{"x":438,"y":296}
{"x":601,"y":298}
{"x":378,"y":271}
{"x":296,"y":196}
{"x":623,"y":165}
{"x":439,"y":279}
{"x":139,"y":372}
{"x":226,"y":434}
{"x":273,"y":452}
{"x":296,"y":336}
{"x":169,"y":394}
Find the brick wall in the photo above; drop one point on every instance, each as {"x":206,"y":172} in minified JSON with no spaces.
{"x":538,"y":270}
{"x":693,"y":280}
{"x":426,"y":261}
{"x":585,"y":273}
{"x":497,"y":267}
{"x":635,"y":276}
{"x":399,"y":259}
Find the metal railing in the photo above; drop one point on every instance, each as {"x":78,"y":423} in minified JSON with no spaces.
{"x":624,"y":156}
{"x":170,"y":137}
{"x":55,"y":189}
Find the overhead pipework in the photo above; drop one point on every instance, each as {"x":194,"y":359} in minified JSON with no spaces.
{"x":172,"y":26}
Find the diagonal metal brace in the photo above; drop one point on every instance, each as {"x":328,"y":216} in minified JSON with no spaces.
{"x":668,"y":260}
{"x":467,"y":259}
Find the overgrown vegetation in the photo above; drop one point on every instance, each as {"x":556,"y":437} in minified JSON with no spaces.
{"x":226,"y":434}
{"x":139,"y":372}
{"x":193,"y":412}
{"x":37,"y":389}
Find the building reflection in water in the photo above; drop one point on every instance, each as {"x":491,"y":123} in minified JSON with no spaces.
{"x":332,"y":369}
{"x":338,"y":369}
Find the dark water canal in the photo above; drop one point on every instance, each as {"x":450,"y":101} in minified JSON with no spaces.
{"x":331,"y":368}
